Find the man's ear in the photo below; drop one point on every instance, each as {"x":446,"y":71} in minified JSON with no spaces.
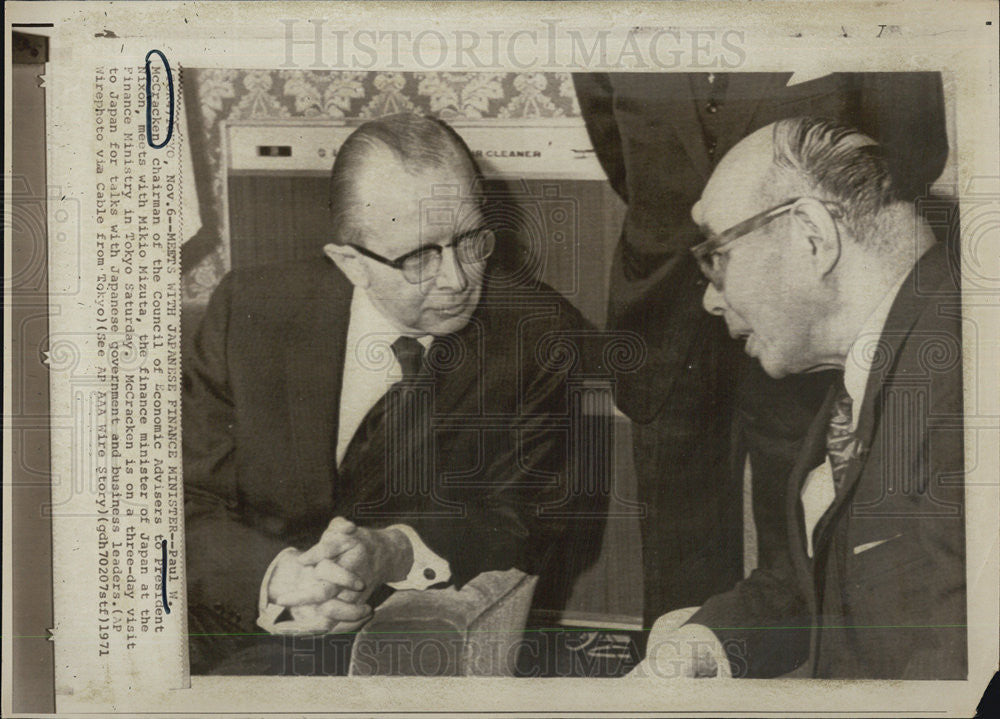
{"x":696,"y":213}
{"x":818,"y":228}
{"x":350,"y":263}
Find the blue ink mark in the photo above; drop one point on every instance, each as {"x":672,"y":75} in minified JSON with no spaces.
{"x":163,"y":575}
{"x":149,"y":103}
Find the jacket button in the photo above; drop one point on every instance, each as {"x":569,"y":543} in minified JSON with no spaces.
{"x":429,"y":573}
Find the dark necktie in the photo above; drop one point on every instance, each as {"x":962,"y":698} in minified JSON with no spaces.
{"x":410,"y":355}
{"x":840,"y":440}
{"x":388,"y":451}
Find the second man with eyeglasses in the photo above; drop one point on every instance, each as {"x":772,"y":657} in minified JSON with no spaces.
{"x":383,"y":418}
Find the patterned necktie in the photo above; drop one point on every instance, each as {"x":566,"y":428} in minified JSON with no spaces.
{"x":840,"y":440}
{"x":410,"y":355}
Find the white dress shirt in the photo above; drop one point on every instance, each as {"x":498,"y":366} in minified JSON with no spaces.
{"x":370,"y":368}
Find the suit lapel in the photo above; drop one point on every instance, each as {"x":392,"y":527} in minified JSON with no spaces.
{"x":314,"y":364}
{"x":920,"y":287}
{"x":906,"y":308}
{"x":452,"y":380}
{"x":813,"y":450}
{"x":366,"y":471}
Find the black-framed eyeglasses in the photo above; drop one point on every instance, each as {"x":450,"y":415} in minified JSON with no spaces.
{"x":711,"y":258}
{"x":471,"y":247}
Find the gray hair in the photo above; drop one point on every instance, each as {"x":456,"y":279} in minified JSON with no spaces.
{"x":418,"y":142}
{"x":837,"y":162}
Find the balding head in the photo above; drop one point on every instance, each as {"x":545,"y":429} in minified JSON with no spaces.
{"x":802,"y":157}
{"x":405,"y":200}
{"x":733,"y":193}
{"x":829,"y":237}
{"x":414,"y":146}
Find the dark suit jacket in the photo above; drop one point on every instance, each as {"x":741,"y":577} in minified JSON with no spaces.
{"x":884,"y":595}
{"x":260,"y":428}
{"x":648,"y":137}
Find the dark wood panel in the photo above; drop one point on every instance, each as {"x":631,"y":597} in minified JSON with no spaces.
{"x":610,"y":589}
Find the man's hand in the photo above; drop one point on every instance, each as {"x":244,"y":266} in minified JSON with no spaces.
{"x":331,"y":617}
{"x":687,"y":652}
{"x":317,"y":578}
{"x":325,"y":587}
{"x":375,"y":556}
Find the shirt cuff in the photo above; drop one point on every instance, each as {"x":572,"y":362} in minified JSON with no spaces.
{"x":267,"y":612}
{"x":671,"y":631}
{"x":709,"y":647}
{"x":427,"y":568}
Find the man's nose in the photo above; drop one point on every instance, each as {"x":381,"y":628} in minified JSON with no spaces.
{"x":713,"y":302}
{"x":451,"y":276}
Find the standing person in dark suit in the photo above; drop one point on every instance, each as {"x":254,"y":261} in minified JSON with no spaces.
{"x":658,"y":137}
{"x":816,"y":262}
{"x":383,"y":416}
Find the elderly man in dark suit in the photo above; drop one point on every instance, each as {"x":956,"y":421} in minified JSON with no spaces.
{"x":385,"y":416}
{"x":659,"y":136}
{"x":815,"y":261}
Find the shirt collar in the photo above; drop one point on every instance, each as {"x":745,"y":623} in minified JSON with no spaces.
{"x":365,"y":315}
{"x":864,"y":349}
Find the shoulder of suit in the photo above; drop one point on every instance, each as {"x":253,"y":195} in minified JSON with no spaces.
{"x":928,"y":312}
{"x":512,"y":304}
{"x":934,"y":284}
{"x":300,"y":279}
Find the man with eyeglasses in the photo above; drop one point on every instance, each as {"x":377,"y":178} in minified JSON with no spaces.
{"x":701,"y":413}
{"x":383,"y":417}
{"x":816,"y":263}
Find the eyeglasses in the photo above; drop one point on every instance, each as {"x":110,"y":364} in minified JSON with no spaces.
{"x":711,"y":258}
{"x":471,"y":247}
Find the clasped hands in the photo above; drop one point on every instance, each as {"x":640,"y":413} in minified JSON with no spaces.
{"x":327,"y":586}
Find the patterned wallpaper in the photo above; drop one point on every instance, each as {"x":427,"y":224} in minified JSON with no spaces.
{"x":225,"y":95}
